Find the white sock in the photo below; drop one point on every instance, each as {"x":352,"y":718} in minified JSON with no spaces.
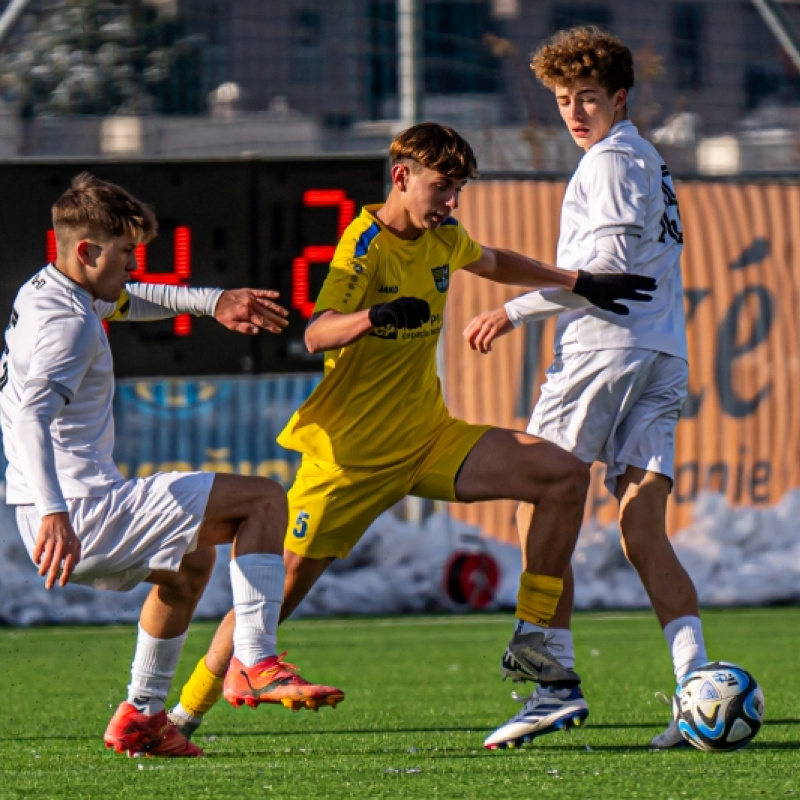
{"x":180,"y":711}
{"x":523,"y":626}
{"x":685,"y":641}
{"x":257,"y":584}
{"x":153,"y":668}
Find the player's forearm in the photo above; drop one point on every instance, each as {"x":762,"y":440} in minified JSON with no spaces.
{"x":152,"y":301}
{"x":518,"y":270}
{"x":537,"y":306}
{"x":332,"y":330}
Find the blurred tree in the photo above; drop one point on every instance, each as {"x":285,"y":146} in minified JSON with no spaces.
{"x":102,"y":57}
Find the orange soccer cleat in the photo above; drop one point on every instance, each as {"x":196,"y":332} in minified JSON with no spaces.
{"x":137,"y":734}
{"x":275,"y":681}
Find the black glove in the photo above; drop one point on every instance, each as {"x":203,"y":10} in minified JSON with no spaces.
{"x":405,"y":312}
{"x":604,"y":289}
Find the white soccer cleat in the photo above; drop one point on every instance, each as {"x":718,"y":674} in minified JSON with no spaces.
{"x":541,"y":714}
{"x":669,"y":737}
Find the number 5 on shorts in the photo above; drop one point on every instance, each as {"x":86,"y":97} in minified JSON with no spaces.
{"x":301,"y":525}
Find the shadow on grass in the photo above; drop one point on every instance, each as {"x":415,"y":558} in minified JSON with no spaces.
{"x":471,"y":729}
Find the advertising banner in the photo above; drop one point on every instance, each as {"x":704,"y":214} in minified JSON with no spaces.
{"x":740,"y":429}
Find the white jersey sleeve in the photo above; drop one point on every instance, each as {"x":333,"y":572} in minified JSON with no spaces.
{"x":150,"y":301}
{"x":614,"y":254}
{"x":618,"y":186}
{"x":41,"y":404}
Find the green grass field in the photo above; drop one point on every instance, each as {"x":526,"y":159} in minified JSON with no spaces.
{"x":421,"y":695}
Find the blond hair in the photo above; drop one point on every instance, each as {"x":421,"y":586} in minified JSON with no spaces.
{"x":435,"y":147}
{"x":92,"y":207}
{"x":584,"y":52}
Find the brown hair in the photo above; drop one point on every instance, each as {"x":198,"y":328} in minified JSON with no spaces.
{"x":584,"y":52}
{"x":94,"y":207}
{"x":435,"y":147}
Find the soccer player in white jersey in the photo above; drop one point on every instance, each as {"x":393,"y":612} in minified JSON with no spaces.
{"x":615,"y":390}
{"x":82,"y":522}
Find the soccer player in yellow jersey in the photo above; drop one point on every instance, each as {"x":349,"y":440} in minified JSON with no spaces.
{"x":377,"y":429}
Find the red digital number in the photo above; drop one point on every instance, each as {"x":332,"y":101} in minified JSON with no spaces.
{"x":318,"y":254}
{"x":180,"y":275}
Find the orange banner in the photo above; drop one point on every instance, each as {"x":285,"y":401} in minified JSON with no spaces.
{"x":740,"y":429}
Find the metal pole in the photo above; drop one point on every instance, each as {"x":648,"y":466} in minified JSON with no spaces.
{"x":10,"y":16}
{"x":781,"y":26}
{"x":409,"y":29}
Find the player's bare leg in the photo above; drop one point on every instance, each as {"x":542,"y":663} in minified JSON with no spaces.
{"x":140,"y":724}
{"x":642,"y":499}
{"x":257,"y":674}
{"x":204,"y":687}
{"x":550,"y":708}
{"x":518,"y":466}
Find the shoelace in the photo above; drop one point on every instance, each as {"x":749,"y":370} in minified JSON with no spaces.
{"x":280,"y":665}
{"x":663,"y":699}
{"x":551,"y":644}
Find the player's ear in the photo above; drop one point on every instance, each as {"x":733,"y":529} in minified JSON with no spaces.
{"x":83,"y":249}
{"x":621,"y":99}
{"x":399,"y":176}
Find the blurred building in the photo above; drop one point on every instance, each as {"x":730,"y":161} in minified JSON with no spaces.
{"x":338,"y":61}
{"x":309,"y":75}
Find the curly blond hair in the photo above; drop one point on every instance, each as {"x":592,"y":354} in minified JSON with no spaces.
{"x":584,"y":52}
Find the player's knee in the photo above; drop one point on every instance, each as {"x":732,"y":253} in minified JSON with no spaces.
{"x":572,"y":484}
{"x":270,"y":503}
{"x":190,"y":581}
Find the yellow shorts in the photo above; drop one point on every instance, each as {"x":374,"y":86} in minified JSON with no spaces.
{"x":330,"y":506}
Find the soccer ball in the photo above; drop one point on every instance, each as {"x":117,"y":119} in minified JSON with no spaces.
{"x":719,"y":706}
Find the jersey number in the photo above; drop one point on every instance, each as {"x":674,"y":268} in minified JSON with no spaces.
{"x":671,"y":219}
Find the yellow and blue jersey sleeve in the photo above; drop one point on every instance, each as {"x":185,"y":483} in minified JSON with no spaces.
{"x":465,"y":250}
{"x":351,"y":269}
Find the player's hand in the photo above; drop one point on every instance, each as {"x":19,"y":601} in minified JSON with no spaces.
{"x":486,"y":327}
{"x":405,"y":312}
{"x":57,"y":549}
{"x":605,"y":289}
{"x":249,"y":310}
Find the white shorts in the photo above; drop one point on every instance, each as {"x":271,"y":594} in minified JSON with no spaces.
{"x":619,"y":407}
{"x":139,"y":526}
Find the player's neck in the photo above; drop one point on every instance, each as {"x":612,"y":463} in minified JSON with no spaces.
{"x":74,"y":272}
{"x":396,"y":219}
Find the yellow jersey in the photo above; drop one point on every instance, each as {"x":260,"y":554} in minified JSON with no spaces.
{"x":380,"y":399}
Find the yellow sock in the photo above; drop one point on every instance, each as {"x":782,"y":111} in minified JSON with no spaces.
{"x":202,"y":690}
{"x":538,"y":597}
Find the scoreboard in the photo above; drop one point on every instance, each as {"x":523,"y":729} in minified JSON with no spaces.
{"x":262,"y":223}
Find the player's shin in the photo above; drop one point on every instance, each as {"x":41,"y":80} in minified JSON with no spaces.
{"x":198,"y":696}
{"x":530,"y":655}
{"x":153,"y":668}
{"x":257,"y":585}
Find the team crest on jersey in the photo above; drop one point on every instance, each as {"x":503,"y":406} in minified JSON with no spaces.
{"x":441,"y":276}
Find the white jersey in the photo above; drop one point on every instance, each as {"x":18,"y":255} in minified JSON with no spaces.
{"x":57,"y":385}
{"x":621,"y":186}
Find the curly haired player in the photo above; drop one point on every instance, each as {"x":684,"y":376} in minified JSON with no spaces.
{"x":615,"y":390}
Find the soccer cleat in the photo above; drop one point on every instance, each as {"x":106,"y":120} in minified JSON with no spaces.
{"x":529,"y":658}
{"x":275,"y":681}
{"x":132,"y":732}
{"x":186,"y":727}
{"x":671,"y":735}
{"x":541,"y":714}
